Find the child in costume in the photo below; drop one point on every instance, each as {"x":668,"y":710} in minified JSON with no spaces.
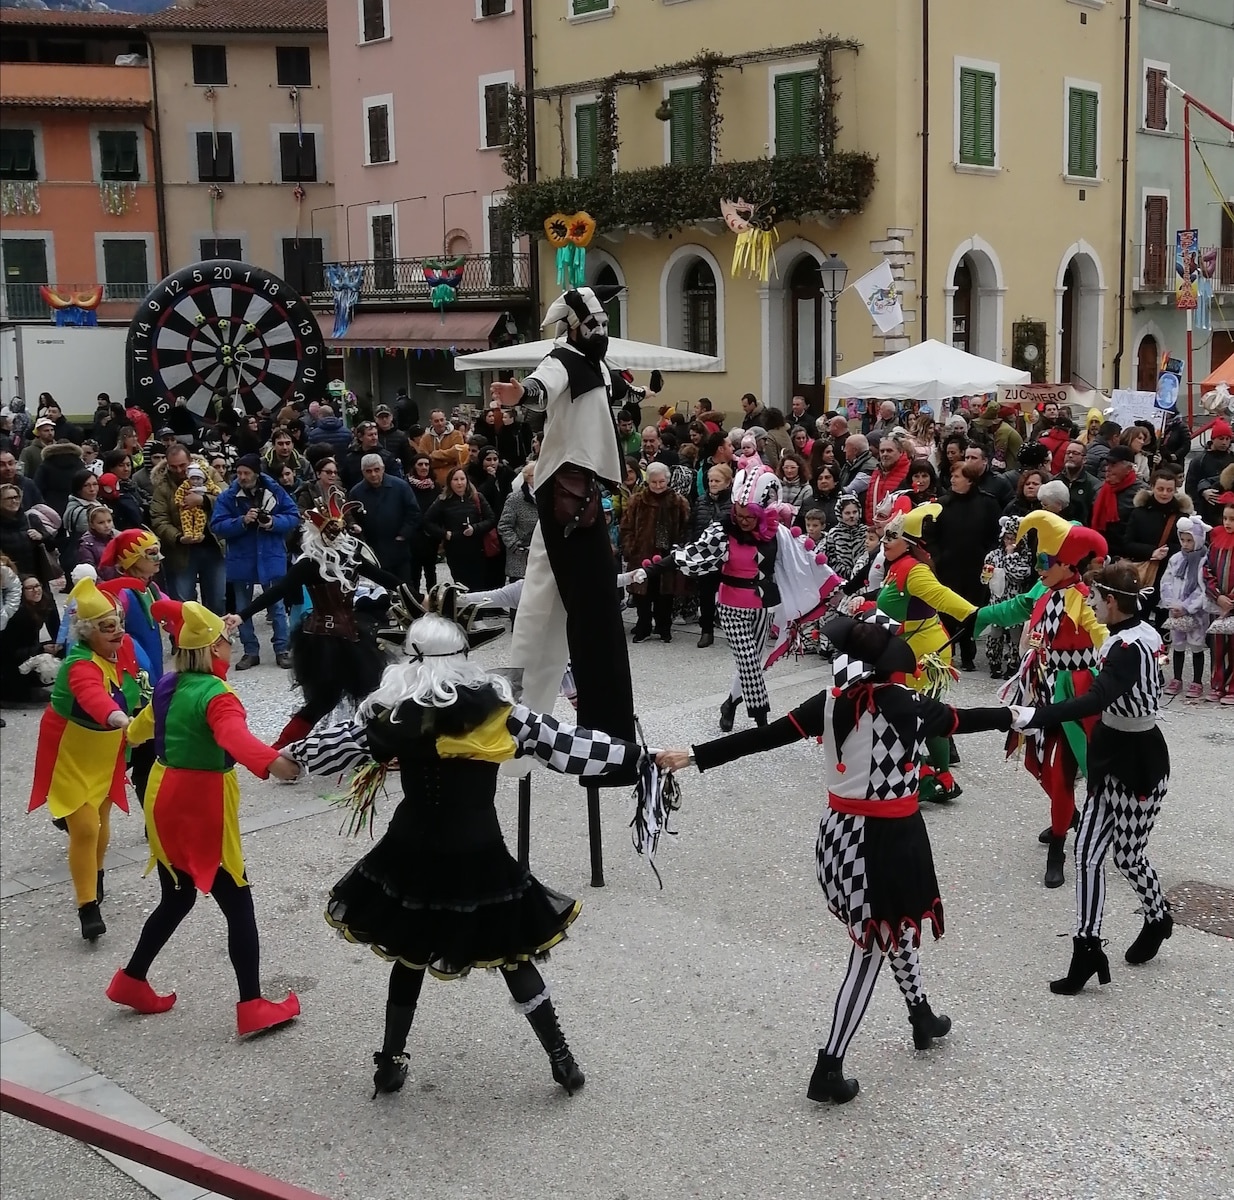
{"x":198,"y":727}
{"x":193,"y":520}
{"x":1185,"y":598}
{"x":746,"y":549}
{"x":1219,"y":583}
{"x":913,"y":597}
{"x":79,"y":762}
{"x":440,"y":891}
{"x":332,"y":654}
{"x":1006,"y":572}
{"x":1128,"y":774}
{"x":873,"y":853}
{"x":1063,"y":637}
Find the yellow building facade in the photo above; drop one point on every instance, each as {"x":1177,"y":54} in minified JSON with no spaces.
{"x":999,"y":214}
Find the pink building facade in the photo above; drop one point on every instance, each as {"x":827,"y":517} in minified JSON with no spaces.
{"x":420,"y":93}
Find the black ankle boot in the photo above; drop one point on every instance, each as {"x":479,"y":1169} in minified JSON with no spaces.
{"x":1087,"y":959}
{"x":543,"y":1019}
{"x":927,"y":1025}
{"x":390,"y":1060}
{"x":760,"y":717}
{"x":1145,"y":946}
{"x":92,"y":924}
{"x":706,"y":638}
{"x":1055,"y":858}
{"x":728,"y":711}
{"x":99,"y":888}
{"x":828,"y":1082}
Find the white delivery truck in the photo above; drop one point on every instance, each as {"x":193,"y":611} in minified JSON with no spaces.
{"x":73,"y":363}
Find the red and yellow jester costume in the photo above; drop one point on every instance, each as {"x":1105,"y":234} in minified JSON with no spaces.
{"x":1060,"y":662}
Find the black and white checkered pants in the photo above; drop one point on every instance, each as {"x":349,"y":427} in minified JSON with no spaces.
{"x":1114,"y":817}
{"x":853,"y":998}
{"x":746,"y":630}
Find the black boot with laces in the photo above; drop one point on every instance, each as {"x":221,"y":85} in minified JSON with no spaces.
{"x":543,"y":1019}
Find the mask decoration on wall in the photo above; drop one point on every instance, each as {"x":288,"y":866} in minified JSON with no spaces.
{"x":344,"y":280}
{"x":444,"y":277}
{"x":73,"y":308}
{"x":570,"y":236}
{"x":754,"y":225}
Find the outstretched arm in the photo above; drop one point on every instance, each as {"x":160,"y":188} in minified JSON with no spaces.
{"x":1118,"y":676}
{"x":226,"y":717}
{"x":805,"y":721}
{"x":570,"y":749}
{"x":944,"y":720}
{"x":333,"y":750}
{"x":1007,"y":614}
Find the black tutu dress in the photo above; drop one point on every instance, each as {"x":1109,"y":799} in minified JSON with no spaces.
{"x":440,"y":890}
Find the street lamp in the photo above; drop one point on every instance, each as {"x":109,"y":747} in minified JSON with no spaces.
{"x":833,"y":273}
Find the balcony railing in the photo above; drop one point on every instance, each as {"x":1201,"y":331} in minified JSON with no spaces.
{"x":1155,"y":267}
{"x":24,"y":301}
{"x":485,"y":277}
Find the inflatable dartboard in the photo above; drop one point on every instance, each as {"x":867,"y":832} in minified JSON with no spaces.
{"x":226,"y":331}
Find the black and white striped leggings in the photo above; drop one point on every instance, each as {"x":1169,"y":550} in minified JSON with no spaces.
{"x":853,"y":998}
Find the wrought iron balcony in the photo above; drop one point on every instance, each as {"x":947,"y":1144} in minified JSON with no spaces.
{"x":24,"y":301}
{"x":486,"y":277}
{"x":1155,"y":270}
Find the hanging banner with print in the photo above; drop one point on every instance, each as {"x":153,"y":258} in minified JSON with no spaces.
{"x":880,"y":295}
{"x":1187,"y":269}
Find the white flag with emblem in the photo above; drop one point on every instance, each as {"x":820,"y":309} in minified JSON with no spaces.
{"x":879,"y":293}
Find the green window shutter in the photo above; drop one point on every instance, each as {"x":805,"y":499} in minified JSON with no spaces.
{"x":1082,"y":132}
{"x":968,"y":115}
{"x":581,"y":8}
{"x":586,"y":135}
{"x":1091,"y":132}
{"x":807,"y":85}
{"x":977,"y":132}
{"x":687,"y":138}
{"x":985,"y":119}
{"x":788,"y":115}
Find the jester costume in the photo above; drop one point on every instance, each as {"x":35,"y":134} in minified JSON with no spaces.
{"x":440,"y":892}
{"x":1063,"y":637}
{"x":199,"y":730}
{"x":913,"y":598}
{"x":873,"y":854}
{"x":79,"y":763}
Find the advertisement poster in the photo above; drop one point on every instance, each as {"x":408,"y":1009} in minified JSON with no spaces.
{"x":1187,"y":269}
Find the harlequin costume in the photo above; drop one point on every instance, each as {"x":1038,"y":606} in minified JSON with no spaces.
{"x":1128,"y":775}
{"x":333,"y":655}
{"x":1063,"y":637}
{"x":756,"y":568}
{"x":913,"y":597}
{"x":440,"y":892}
{"x":873,"y":853}
{"x":79,"y":761}
{"x":1006,"y":572}
{"x":199,"y":730}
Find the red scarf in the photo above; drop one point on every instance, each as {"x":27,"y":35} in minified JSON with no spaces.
{"x":1105,"y":507}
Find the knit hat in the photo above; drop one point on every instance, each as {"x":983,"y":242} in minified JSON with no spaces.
{"x":195,"y":472}
{"x":1221,"y":428}
{"x":1122,"y":454}
{"x":1195,"y":527}
{"x":252,"y":461}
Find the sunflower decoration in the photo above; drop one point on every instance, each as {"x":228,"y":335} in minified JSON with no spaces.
{"x":570,"y":236}
{"x":754,"y":225}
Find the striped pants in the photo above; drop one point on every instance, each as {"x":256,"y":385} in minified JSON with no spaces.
{"x":746,"y":630}
{"x":853,"y":998}
{"x":1114,"y":817}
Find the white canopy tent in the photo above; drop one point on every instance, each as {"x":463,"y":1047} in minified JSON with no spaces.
{"x":622,"y":355}
{"x":929,"y":371}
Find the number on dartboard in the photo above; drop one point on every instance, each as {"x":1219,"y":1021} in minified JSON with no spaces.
{"x":222,"y":272}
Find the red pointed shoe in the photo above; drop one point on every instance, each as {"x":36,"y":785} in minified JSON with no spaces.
{"x":253,"y":1016}
{"x":137,"y":994}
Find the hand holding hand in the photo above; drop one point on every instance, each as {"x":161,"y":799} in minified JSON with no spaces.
{"x":1021,"y":716}
{"x":638,"y":575}
{"x":673,"y":760}
{"x":117,"y":719}
{"x":232,"y":622}
{"x":285,"y":768}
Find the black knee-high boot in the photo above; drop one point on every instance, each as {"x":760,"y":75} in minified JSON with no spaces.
{"x":391,"y":1059}
{"x":543,"y":1019}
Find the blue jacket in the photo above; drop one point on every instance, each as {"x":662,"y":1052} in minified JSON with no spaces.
{"x":332,"y":431}
{"x":255,"y":555}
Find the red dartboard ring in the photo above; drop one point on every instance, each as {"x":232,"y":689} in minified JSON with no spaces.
{"x":226,"y":331}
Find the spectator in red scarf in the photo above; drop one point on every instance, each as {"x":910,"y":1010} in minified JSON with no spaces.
{"x":1116,"y":498}
{"x":890,"y":476}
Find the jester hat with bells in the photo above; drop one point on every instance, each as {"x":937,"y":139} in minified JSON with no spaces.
{"x":1060,"y":541}
{"x":127,"y":547}
{"x":91,"y":603}
{"x":330,"y":515}
{"x":191,"y":625}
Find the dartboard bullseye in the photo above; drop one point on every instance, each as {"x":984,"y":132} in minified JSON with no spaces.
{"x":224,"y":331}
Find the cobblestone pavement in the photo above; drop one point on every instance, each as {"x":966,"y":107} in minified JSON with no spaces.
{"x":696,"y":1011}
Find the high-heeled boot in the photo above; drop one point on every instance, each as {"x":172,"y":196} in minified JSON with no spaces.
{"x":1054,"y":859}
{"x":390,"y":1060}
{"x":543,"y":1019}
{"x":828,"y":1082}
{"x":927,"y":1025}
{"x":1087,"y":959}
{"x":1145,"y":946}
{"x":92,"y":924}
{"x":728,"y":712}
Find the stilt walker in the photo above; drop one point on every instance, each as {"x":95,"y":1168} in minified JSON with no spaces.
{"x":873,"y":853}
{"x":1128,"y":775}
{"x":1063,"y":638}
{"x":440,"y":891}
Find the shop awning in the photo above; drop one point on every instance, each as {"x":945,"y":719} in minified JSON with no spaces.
{"x":458,"y":331}
{"x":1222,"y":374}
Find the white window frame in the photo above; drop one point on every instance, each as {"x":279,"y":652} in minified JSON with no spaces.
{"x":992,"y":68}
{"x":576,"y":102}
{"x":582,"y":18}
{"x":100,"y":265}
{"x":1145,"y":64}
{"x":676,"y":84}
{"x":385,"y":12}
{"x":380,"y":210}
{"x":369,"y":102}
{"x":40,"y":162}
{"x":1083,"y":85}
{"x":671,"y":275}
{"x":1093,"y":4}
{"x":193,"y":130}
{"x":509,"y":10}
{"x":506,"y":77}
{"x":796,"y":67}
{"x":276,"y":154}
{"x":1142,"y":242}
{"x":96,"y":155}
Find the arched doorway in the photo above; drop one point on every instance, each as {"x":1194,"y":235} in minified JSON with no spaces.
{"x":603,"y":269}
{"x":1146,"y":362}
{"x":1079,"y":291}
{"x":607,"y":277}
{"x":974,"y":307}
{"x":699,"y":316}
{"x":809,"y":351}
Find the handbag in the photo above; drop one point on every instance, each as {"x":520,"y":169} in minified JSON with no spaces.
{"x":1147,"y":571}
{"x":492,"y":541}
{"x":576,"y":499}
{"x":46,"y":564}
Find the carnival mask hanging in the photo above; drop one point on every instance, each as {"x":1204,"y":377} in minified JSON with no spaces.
{"x":444,"y":277}
{"x":754,"y":225}
{"x":570,"y":236}
{"x":579,"y":315}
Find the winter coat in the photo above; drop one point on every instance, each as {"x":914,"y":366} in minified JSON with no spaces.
{"x":76,"y":525}
{"x":1097,"y":456}
{"x":707,"y":510}
{"x":254,"y":554}
{"x":843,"y":544}
{"x":1056,"y":440}
{"x":1203,"y":473}
{"x":15,"y":540}
{"x":798,"y":495}
{"x":165,"y":518}
{"x":390,"y":513}
{"x":332,"y":432}
{"x":464,"y":555}
{"x":964,"y":533}
{"x":646,"y":515}
{"x":884,"y":484}
{"x":1083,"y":491}
{"x":90,"y":550}
{"x":518,"y":522}
{"x":61,"y":461}
{"x":352,"y":474}
{"x":1146,"y":522}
